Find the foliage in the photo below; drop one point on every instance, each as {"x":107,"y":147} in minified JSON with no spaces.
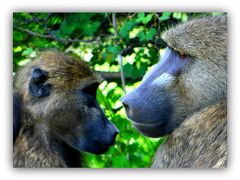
{"x":95,"y":38}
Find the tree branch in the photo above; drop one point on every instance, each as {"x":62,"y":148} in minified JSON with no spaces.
{"x":115,"y":76}
{"x":120,"y":55}
{"x":50,"y":35}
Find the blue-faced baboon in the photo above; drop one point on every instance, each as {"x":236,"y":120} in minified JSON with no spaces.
{"x":185,"y":94}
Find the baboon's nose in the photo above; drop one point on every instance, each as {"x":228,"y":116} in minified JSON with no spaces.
{"x":113,"y":130}
{"x":125,"y":104}
{"x":131,"y":103}
{"x":126,"y":107}
{"x":115,"y":134}
{"x":113,"y":138}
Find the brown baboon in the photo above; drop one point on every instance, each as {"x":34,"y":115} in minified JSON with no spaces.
{"x":185,"y":94}
{"x":16,"y":115}
{"x":59,"y":113}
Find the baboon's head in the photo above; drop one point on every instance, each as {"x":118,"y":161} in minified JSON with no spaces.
{"x":191,"y":75}
{"x":59,"y":92}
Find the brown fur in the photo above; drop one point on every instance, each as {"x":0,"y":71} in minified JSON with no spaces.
{"x":65,"y":72}
{"x":36,"y":145}
{"x":201,"y":141}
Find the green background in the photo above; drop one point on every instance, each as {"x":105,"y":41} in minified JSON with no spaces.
{"x":102,"y":39}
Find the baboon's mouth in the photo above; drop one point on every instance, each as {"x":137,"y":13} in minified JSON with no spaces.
{"x":104,"y":145}
{"x":151,"y":129}
{"x":147,"y":124}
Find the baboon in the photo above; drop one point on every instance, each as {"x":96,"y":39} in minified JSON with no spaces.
{"x":59,"y":115}
{"x":16,"y":115}
{"x":184,"y":96}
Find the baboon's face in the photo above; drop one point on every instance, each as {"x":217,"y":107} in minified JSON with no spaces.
{"x":73,"y":116}
{"x":191,"y":75}
{"x":80,"y":121}
{"x":158,"y":105}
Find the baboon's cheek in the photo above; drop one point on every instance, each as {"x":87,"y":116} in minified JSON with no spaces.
{"x":154,"y":131}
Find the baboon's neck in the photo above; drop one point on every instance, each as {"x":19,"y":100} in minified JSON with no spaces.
{"x":37,"y":147}
{"x":70,"y":156}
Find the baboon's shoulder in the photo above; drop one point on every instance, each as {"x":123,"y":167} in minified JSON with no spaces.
{"x":200,"y":142}
{"x":30,"y":151}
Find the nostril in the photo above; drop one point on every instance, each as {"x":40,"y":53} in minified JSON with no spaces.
{"x":115,"y":133}
{"x":126,"y":107}
{"x":114,"y":137}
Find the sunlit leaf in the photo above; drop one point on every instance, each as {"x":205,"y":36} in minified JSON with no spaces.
{"x":165,"y":16}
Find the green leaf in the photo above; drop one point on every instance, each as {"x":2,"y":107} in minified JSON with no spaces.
{"x":27,"y":51}
{"x":91,"y":28}
{"x":177,"y":15}
{"x":147,"y":35}
{"x":18,"y":36}
{"x":124,"y":30}
{"x":101,"y":98}
{"x":165,"y":16}
{"x":154,"y":55}
{"x":140,"y":16}
{"x":40,"y":43}
{"x":141,"y":35}
{"x":114,"y":49}
{"x":184,"y":17}
{"x":127,"y":69}
{"x":134,"y":73}
{"x":152,"y":32}
{"x":120,"y":161}
{"x":147,"y":19}
{"x":142,"y":70}
{"x":144,"y":19}
{"x":67,"y":28}
{"x":17,"y":49}
{"x":58,"y":34}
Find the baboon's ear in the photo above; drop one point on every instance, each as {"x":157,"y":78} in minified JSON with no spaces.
{"x":38,"y":86}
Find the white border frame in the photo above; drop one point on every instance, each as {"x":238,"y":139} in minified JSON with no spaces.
{"x":10,"y":6}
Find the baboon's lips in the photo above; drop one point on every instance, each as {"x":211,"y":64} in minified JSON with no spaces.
{"x":103,"y":144}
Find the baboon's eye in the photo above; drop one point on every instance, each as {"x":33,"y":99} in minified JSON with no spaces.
{"x":91,"y":89}
{"x":182,"y":54}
